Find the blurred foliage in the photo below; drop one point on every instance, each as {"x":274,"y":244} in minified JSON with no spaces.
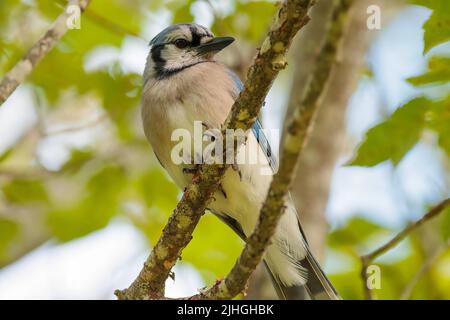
{"x":437,"y":27}
{"x":249,"y":20}
{"x":395,"y":136}
{"x":391,"y":140}
{"x":8,"y":233}
{"x":99,"y":203}
{"x":439,"y":73}
{"x":114,"y":175}
{"x":24,"y":190}
{"x":357,"y":236}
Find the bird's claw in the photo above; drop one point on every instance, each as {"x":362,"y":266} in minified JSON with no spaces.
{"x":222,"y":191}
{"x":190,"y":170}
{"x":235,"y":167}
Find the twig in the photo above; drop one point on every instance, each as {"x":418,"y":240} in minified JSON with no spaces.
{"x":367,"y":258}
{"x":407,"y":230}
{"x":25,"y":174}
{"x":291,"y":16}
{"x":83,"y":126}
{"x":368,"y":294}
{"x":406,"y":294}
{"x":25,"y":66}
{"x":297,"y":135}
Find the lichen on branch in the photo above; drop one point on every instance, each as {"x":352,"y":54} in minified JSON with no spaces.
{"x":271,"y":58}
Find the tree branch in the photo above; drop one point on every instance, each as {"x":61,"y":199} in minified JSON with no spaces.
{"x":25,"y":66}
{"x":367,"y":258}
{"x":297,"y":135}
{"x":291,"y":16}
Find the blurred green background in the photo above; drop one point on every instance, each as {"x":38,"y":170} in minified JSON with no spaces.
{"x":82,"y":198}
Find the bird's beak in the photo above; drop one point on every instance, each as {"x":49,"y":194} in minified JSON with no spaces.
{"x":215,"y":45}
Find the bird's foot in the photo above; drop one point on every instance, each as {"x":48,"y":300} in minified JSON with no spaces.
{"x":192,"y":170}
{"x":223,"y":191}
{"x":235,"y":167}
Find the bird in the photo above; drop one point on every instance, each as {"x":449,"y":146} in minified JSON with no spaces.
{"x":184,"y":84}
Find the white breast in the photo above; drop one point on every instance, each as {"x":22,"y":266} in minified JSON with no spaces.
{"x":194,"y":94}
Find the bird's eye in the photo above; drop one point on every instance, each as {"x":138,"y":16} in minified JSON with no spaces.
{"x":181,"y":43}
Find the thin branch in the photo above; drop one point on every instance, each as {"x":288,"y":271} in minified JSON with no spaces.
{"x":368,"y":258}
{"x":25,"y":174}
{"x":80,"y":127}
{"x":406,"y":294}
{"x":271,"y":58}
{"x":25,"y":66}
{"x":436,"y":210}
{"x":297,"y":135}
{"x":368,"y":294}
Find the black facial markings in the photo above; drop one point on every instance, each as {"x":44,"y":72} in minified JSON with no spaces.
{"x":160,"y":41}
{"x":157,"y":58}
{"x":164,"y":73}
{"x":196,"y":37}
{"x":209,"y":34}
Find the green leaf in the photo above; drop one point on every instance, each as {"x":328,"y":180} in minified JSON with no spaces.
{"x":8,"y":233}
{"x":356,"y":231}
{"x":438,"y":120}
{"x":124,"y":13}
{"x":445,"y":224}
{"x":50,"y":9}
{"x":214,"y":248}
{"x":181,"y":13}
{"x":100,"y":204}
{"x":5,"y":155}
{"x":63,"y":67}
{"x":439,"y":73}
{"x":77,"y":160}
{"x":440,"y":277}
{"x":157,"y":190}
{"x":437,"y":27}
{"x":121,"y":95}
{"x":394,"y":137}
{"x":396,"y":276}
{"x":12,"y":14}
{"x":250,"y":20}
{"x":25,"y":191}
{"x":348,"y":284}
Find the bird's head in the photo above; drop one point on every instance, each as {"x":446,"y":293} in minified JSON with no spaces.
{"x":181,"y":46}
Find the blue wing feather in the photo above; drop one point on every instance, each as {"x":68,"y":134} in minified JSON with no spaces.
{"x":257,"y":128}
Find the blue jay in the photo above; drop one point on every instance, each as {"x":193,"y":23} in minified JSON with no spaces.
{"x":183,"y":83}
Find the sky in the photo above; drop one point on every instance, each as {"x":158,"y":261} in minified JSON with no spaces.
{"x":92,"y":267}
